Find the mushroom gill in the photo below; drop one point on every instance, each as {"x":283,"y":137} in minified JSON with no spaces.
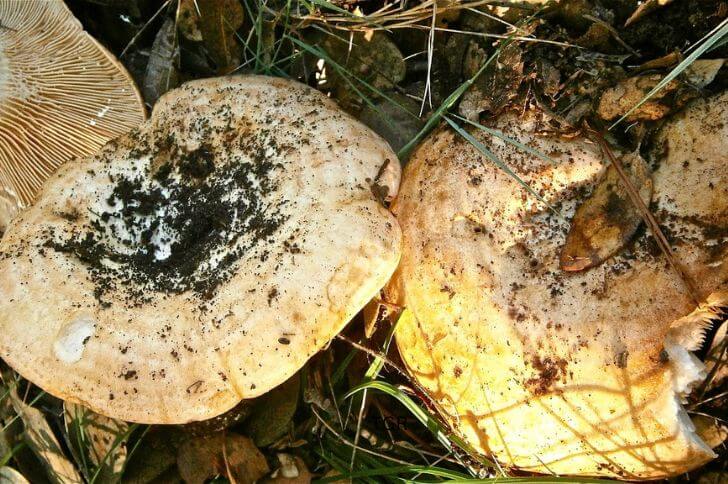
{"x":62,"y":94}
{"x":553,"y":371}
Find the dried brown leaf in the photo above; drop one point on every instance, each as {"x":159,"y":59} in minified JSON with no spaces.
{"x":155,"y":457}
{"x":606,"y":221}
{"x":40,"y":438}
{"x":496,"y":86}
{"x":644,"y":9}
{"x":188,"y":20}
{"x":102,"y":438}
{"x":218,"y":22}
{"x":375,"y":59}
{"x":161,"y":74}
{"x":8,"y":475}
{"x":703,"y":71}
{"x":230,"y":455}
{"x":272,"y":413}
{"x":618,"y":100}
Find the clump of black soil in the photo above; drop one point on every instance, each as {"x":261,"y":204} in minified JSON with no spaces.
{"x":180,"y":225}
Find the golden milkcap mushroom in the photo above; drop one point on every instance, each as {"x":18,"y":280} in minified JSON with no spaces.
{"x":571,"y":372}
{"x":202,"y":258}
{"x":61,"y":94}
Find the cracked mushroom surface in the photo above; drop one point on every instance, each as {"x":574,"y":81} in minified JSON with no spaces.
{"x":202,"y":258}
{"x":554,"y":371}
{"x":62,"y":94}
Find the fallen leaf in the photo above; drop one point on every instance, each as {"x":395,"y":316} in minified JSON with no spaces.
{"x":392,"y":120}
{"x":606,"y":221}
{"x":645,"y":8}
{"x":376,"y":60}
{"x":272,"y":413}
{"x":161,"y":74}
{"x":232,"y":455}
{"x":8,"y":475}
{"x":703,"y":71}
{"x":188,"y":20}
{"x":663,"y":62}
{"x":155,"y":457}
{"x":497,"y":84}
{"x":616,"y":101}
{"x":100,"y":439}
{"x":218,"y":22}
{"x":41,"y":440}
{"x":710,"y":430}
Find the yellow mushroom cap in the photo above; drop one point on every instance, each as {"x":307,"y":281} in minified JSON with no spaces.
{"x":202,"y":258}
{"x":552,"y":371}
{"x":62,"y":94}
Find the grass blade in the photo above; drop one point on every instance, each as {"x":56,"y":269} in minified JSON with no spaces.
{"x":719,"y":34}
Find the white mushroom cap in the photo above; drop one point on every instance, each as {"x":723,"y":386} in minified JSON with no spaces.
{"x":61,"y":94}
{"x":202,"y":258}
{"x":554,"y":371}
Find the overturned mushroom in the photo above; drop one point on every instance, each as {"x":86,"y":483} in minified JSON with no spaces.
{"x":548,"y":370}
{"x":61,"y":95}
{"x":202,"y":258}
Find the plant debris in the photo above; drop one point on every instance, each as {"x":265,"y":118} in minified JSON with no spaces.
{"x":606,"y":221}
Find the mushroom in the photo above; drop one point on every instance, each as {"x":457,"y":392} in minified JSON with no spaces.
{"x":62,"y":95}
{"x":553,"y":371}
{"x":202,"y":258}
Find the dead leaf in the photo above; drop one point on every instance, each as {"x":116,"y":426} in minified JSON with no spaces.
{"x":703,"y":71}
{"x":496,"y":86}
{"x":376,"y":60}
{"x":618,"y":100}
{"x":392,"y":120}
{"x":188,"y":20}
{"x":606,"y":221}
{"x":645,"y":8}
{"x":8,"y":475}
{"x":161,"y":74}
{"x":272,"y":413}
{"x":292,"y":470}
{"x":156,"y":456}
{"x":710,"y":430}
{"x":40,"y":438}
{"x":101,"y":439}
{"x":219,"y":20}
{"x":9,"y":208}
{"x":231,"y":455}
{"x":664,"y":62}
